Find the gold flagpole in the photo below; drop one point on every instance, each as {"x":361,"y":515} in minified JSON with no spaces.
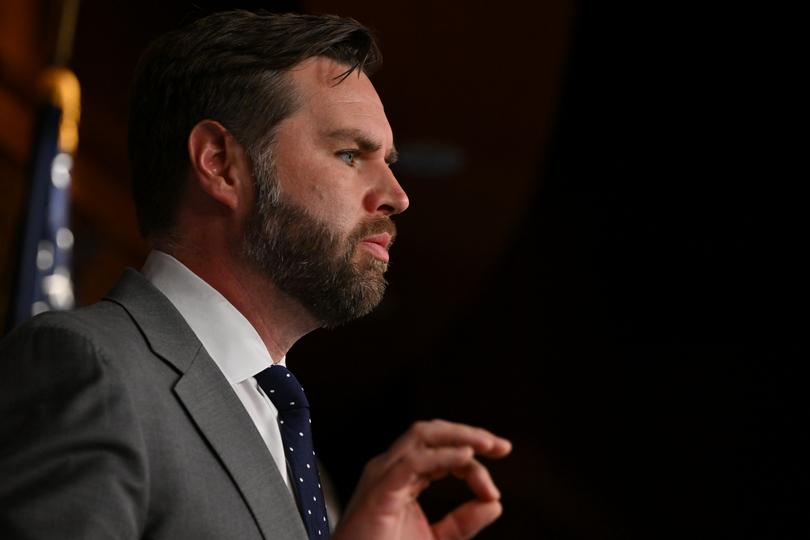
{"x":59,"y":85}
{"x":68,"y":17}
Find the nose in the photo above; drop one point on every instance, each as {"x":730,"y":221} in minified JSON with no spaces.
{"x":387,"y":197}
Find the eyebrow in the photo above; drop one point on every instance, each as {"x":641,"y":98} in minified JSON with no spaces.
{"x":363,"y":142}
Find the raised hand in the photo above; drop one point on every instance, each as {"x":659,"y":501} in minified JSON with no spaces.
{"x":385,"y":505}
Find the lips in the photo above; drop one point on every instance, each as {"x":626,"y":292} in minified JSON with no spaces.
{"x":378,"y":245}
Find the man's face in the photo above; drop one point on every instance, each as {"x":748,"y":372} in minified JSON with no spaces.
{"x":321,"y":227}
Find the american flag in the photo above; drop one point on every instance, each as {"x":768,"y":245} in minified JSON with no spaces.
{"x":43,"y":276}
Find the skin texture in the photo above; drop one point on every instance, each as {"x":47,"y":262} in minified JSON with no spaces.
{"x":385,"y":505}
{"x":331,"y":158}
{"x":336,"y":274}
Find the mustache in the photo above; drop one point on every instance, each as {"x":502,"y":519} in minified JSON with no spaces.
{"x":372,"y":227}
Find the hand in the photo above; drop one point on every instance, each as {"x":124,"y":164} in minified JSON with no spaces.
{"x":385,"y":506}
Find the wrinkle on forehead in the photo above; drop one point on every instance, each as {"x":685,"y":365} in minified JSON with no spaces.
{"x":335,"y":105}
{"x":319,"y":78}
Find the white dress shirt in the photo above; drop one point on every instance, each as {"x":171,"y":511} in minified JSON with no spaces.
{"x":229,"y":339}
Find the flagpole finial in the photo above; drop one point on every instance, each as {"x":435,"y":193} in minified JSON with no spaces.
{"x":60,"y":87}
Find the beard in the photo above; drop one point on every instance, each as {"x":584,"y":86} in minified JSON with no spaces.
{"x":309,"y":261}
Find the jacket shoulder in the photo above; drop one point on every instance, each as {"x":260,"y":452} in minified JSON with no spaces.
{"x":99,"y":327}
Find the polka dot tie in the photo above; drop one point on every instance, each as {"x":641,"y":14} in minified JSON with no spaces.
{"x":288,"y":396}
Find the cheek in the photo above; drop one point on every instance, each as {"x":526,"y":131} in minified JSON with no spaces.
{"x":318,"y":193}
{"x":323,"y":185}
{"x":304,"y":181}
{"x":338,"y":217}
{"x":328,"y":195}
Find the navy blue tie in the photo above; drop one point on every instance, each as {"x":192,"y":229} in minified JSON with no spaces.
{"x":288,"y":396}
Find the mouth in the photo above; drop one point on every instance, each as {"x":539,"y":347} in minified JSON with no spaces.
{"x":378,"y":245}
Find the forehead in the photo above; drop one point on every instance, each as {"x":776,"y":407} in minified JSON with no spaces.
{"x":352,"y":103}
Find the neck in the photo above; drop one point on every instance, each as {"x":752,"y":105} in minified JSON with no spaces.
{"x":279,"y":319}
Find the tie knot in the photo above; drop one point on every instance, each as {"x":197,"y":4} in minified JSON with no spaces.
{"x":283,"y":389}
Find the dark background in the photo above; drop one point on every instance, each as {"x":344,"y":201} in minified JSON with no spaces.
{"x":600,"y":261}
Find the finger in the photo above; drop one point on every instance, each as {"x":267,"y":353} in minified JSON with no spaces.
{"x":420,"y":464}
{"x":444,"y":433}
{"x":479,"y":480}
{"x":467,"y":520}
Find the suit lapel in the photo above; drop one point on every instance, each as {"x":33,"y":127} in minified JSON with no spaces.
{"x":223,"y":421}
{"x":213,"y":406}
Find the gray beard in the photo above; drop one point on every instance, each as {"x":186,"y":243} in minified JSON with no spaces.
{"x":310,"y":262}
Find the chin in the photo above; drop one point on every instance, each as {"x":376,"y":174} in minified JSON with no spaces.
{"x":367,"y":261}
{"x":355,"y":302}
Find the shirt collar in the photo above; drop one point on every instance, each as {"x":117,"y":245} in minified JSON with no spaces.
{"x":226,"y":334}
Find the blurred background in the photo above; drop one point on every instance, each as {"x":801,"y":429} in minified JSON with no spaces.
{"x":599,"y":262}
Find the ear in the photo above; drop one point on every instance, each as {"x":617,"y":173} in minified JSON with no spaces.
{"x":218,"y":163}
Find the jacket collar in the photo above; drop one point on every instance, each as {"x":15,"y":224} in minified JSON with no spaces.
{"x":165,"y":329}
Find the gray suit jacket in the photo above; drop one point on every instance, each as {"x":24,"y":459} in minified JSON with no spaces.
{"x":116,"y":423}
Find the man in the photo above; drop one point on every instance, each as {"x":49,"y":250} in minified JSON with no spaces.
{"x":260,"y":155}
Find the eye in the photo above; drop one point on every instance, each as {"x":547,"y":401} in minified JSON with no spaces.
{"x":348,"y":156}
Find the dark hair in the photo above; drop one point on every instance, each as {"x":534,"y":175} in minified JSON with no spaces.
{"x":230,"y":67}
